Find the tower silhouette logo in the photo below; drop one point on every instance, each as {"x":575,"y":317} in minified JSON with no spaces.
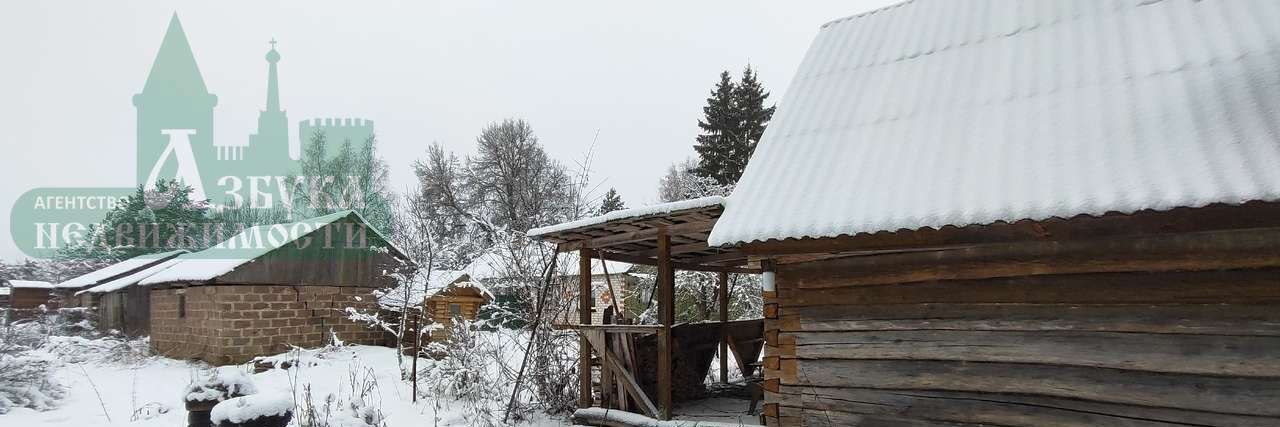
{"x":175,"y":113}
{"x":176,"y":141}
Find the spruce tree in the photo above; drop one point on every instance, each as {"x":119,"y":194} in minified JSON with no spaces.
{"x":612,"y":202}
{"x":720,"y":126}
{"x":734,"y":120}
{"x":749,"y":100}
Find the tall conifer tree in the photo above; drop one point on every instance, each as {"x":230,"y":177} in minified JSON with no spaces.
{"x":720,"y":126}
{"x":749,"y":100}
{"x":734,"y":120}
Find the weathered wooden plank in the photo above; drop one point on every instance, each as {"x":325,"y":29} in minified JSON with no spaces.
{"x":999,"y":409}
{"x":722,"y":297}
{"x":625,"y":378}
{"x":1177,"y":353}
{"x":585,"y":299}
{"x":623,"y":238}
{"x":1211,"y":319}
{"x":1245,"y":396}
{"x":1257,"y":248}
{"x":666,"y":317}
{"x":1245,"y":286}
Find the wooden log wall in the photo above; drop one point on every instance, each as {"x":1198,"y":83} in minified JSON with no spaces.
{"x":1158,"y":330}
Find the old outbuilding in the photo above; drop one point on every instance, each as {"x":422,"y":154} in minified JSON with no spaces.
{"x":70,"y":293}
{"x":26,"y":297}
{"x":460,"y":300}
{"x":270,"y":287}
{"x":1027,"y":214}
{"x":111,"y":293}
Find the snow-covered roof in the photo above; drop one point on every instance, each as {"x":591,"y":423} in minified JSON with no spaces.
{"x":245,"y":247}
{"x":131,"y":279}
{"x":638,"y":212}
{"x":4,"y":290}
{"x":479,"y":287}
{"x":30,"y":284}
{"x":93,"y":277}
{"x":438,"y":280}
{"x":492,"y":265}
{"x":959,"y":112}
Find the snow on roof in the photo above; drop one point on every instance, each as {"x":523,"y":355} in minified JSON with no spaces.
{"x":93,"y":277}
{"x":4,"y":290}
{"x":657,"y":209}
{"x":30,"y":284}
{"x":438,"y":280}
{"x":957,"y":112}
{"x":492,"y":265}
{"x":245,"y":247}
{"x":131,"y":279}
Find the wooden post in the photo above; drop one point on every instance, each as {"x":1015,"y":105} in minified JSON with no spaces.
{"x":666,"y":317}
{"x":417,"y":348}
{"x":585,"y":398}
{"x":723,"y":295}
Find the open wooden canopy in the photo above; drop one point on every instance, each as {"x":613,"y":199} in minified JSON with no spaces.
{"x":670,"y":236}
{"x":634,"y":239}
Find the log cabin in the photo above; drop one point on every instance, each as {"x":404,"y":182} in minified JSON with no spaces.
{"x":458,"y":301}
{"x":1023,"y":214}
{"x":442,"y":296}
{"x":27,"y":296}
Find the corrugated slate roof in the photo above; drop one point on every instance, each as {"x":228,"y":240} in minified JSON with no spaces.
{"x":120,"y":268}
{"x":959,"y":112}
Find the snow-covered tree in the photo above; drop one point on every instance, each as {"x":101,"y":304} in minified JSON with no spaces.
{"x":611,"y":202}
{"x":354,"y":177}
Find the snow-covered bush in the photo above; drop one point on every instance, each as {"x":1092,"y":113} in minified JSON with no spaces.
{"x":469,"y":373}
{"x":27,"y":381}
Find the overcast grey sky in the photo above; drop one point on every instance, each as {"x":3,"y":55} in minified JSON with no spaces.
{"x":637,"y":72}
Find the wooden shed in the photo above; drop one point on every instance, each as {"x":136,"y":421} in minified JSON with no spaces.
{"x":113,"y":293}
{"x":271,"y":287}
{"x":26,"y":297}
{"x":1048,"y":214}
{"x":459,"y":300}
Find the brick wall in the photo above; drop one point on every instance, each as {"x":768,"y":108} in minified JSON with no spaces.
{"x":233,"y":324}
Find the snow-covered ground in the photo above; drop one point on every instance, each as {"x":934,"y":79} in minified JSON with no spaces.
{"x":74,"y":377}
{"x":102,"y":393}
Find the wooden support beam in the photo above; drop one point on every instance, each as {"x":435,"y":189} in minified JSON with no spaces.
{"x":635,"y":236}
{"x":614,"y":256}
{"x":722,"y":294}
{"x":635,"y":329}
{"x":666,"y":318}
{"x":585,"y":298}
{"x":677,"y":249}
{"x":730,"y":258}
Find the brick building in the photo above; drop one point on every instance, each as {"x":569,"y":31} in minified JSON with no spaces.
{"x":269,"y":288}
